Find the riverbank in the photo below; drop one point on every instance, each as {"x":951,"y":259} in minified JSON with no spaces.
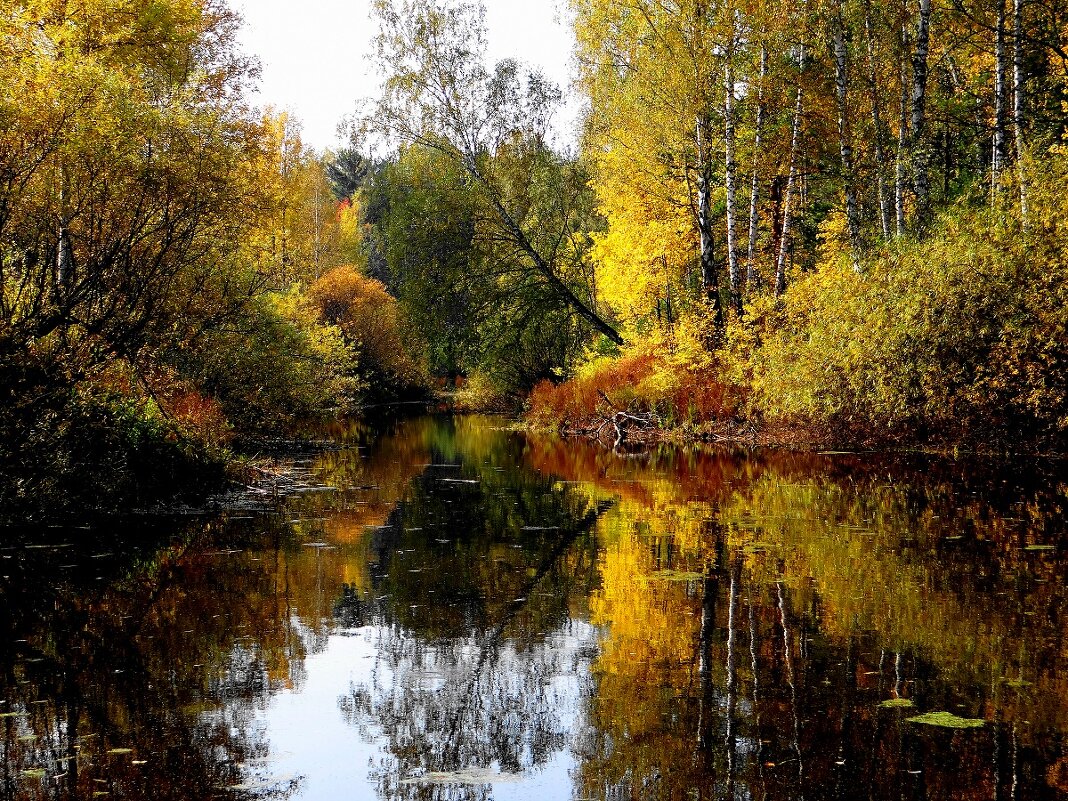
{"x":636,"y":431}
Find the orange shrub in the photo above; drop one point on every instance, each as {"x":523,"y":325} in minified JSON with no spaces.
{"x":647,"y":380}
{"x":370,"y":319}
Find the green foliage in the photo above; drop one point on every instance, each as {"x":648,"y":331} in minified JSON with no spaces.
{"x":472,"y":296}
{"x":422,"y":222}
{"x":276,"y":363}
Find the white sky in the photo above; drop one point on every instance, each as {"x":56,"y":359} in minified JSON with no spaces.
{"x":314,"y":55}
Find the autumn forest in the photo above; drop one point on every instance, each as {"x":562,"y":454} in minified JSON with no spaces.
{"x":807,"y":222}
{"x":695,"y":430}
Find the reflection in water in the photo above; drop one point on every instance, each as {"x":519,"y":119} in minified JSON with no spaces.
{"x":468,"y":613}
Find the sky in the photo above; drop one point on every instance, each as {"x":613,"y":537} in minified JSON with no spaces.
{"x":314,"y":61}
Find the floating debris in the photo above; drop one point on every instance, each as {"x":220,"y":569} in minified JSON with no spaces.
{"x":897,"y":703}
{"x":469,"y":776}
{"x":677,"y":575}
{"x":947,"y":720}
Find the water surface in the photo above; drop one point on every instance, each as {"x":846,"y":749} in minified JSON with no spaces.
{"x":450,"y":610}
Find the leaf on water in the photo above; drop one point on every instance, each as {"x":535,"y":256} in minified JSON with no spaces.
{"x":676,"y":575}
{"x":897,"y":703}
{"x":759,"y":545}
{"x":470,"y":776}
{"x":947,"y":720}
{"x":1016,"y":684}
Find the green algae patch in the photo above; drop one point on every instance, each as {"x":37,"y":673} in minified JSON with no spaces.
{"x":897,"y":703}
{"x":947,"y":720}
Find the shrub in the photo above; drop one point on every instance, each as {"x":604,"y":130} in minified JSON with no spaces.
{"x":274,"y":365}
{"x":371,"y":323}
{"x":673,"y":376}
{"x":960,"y":337}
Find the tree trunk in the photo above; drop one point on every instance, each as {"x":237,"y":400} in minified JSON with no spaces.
{"x":845,"y":142}
{"x":999,"y":156}
{"x":1019,"y":105}
{"x":791,"y":180}
{"x":64,"y":250}
{"x":879,"y":128}
{"x":730,"y":175}
{"x":920,"y":180}
{"x":753,"y":274}
{"x":902,"y":137}
{"x":709,"y":273}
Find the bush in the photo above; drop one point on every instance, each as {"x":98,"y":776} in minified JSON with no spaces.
{"x":674,"y":376}
{"x":274,"y":365}
{"x":371,"y":323}
{"x":962,"y":337}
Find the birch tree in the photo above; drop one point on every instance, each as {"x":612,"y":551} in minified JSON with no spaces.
{"x":919,"y":144}
{"x":1019,"y":105}
{"x":845,"y":133}
{"x":753,"y":274}
{"x":730,"y":166}
{"x":792,"y":174}
{"x":440,"y":93}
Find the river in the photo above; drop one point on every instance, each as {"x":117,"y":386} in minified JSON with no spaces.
{"x":450,"y":610}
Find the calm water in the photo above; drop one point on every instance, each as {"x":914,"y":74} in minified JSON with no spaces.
{"x":453,"y":611}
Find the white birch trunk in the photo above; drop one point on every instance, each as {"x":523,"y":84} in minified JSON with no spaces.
{"x":920,"y":179}
{"x":882,"y":188}
{"x":791,"y":180}
{"x":730,"y":175}
{"x":709,"y":276}
{"x":902,"y":138}
{"x":998,"y":155}
{"x":753,"y":275}
{"x":845,"y":144}
{"x":1019,"y":106}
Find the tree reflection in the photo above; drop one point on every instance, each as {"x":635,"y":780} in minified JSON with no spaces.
{"x":480,"y":662}
{"x":847,"y":587}
{"x":671,"y":625}
{"x":116,"y":663}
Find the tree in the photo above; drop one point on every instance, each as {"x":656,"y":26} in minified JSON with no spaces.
{"x":119,"y":183}
{"x":347,"y":170}
{"x":440,"y":94}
